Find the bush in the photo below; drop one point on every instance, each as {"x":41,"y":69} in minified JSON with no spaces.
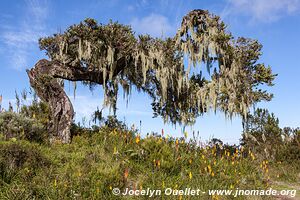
{"x":37,"y":110}
{"x":16,"y":158}
{"x":14,"y":125}
{"x":99,"y":160}
{"x":266,"y":139}
{"x":290,"y":150}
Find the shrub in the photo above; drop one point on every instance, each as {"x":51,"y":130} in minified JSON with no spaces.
{"x":16,"y":158}
{"x":37,"y":110}
{"x":290,"y":150}
{"x":266,"y":139}
{"x":14,"y":125}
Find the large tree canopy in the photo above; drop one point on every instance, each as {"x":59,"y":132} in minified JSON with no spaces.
{"x":169,"y":69}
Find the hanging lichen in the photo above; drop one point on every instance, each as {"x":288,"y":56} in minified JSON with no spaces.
{"x":74,"y":89}
{"x":79,"y":49}
{"x":112,"y":56}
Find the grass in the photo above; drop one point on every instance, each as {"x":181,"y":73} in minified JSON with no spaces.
{"x":96,"y":162}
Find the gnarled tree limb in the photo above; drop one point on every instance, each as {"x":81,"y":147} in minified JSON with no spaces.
{"x":44,"y":78}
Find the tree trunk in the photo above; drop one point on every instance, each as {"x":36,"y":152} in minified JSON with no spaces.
{"x":50,"y":90}
{"x":46,"y":79}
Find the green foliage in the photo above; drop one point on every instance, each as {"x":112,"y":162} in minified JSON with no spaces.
{"x":18,"y":126}
{"x":111,"y":55}
{"x":263,"y":135}
{"x":20,"y":161}
{"x":113,"y":123}
{"x":38,"y":110}
{"x":105,"y":158}
{"x":262,"y":128}
{"x":154,"y":149}
{"x":289,"y":151}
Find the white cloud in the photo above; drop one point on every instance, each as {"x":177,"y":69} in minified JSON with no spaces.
{"x":22,"y":38}
{"x":155,"y":25}
{"x":38,"y":9}
{"x":262,"y":10}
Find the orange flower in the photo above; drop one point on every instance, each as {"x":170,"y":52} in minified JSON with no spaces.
{"x":209,"y":169}
{"x":158,"y":163}
{"x":176,"y":144}
{"x":252,"y":156}
{"x":137,"y":139}
{"x":126,"y":173}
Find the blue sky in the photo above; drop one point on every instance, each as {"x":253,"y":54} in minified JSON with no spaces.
{"x":274,"y":23}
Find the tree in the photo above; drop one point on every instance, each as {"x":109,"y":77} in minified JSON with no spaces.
{"x":265,"y":138}
{"x":262,"y":133}
{"x":112,"y":56}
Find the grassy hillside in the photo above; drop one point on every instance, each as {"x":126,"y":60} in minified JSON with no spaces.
{"x":99,"y":160}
